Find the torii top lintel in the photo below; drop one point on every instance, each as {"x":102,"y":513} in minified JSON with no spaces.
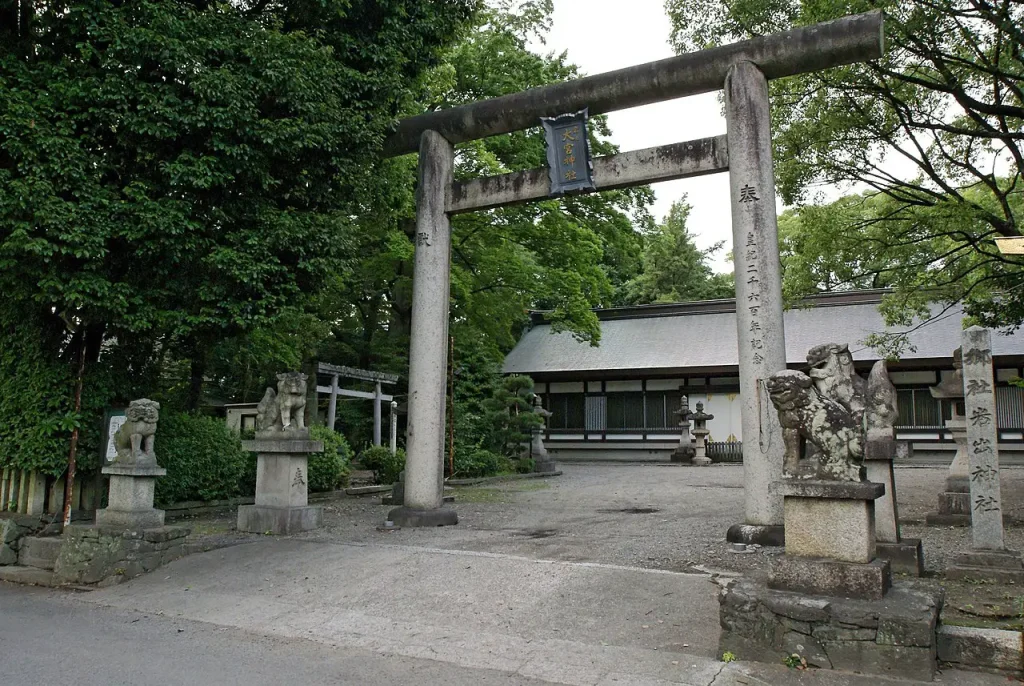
{"x":851,"y":39}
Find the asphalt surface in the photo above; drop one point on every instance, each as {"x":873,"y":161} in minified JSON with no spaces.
{"x":603,"y":576}
{"x":51,"y":638}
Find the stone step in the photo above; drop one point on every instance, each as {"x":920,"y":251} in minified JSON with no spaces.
{"x":27,"y":575}
{"x":38,"y":551}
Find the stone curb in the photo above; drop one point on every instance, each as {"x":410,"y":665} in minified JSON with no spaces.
{"x":977,"y":649}
{"x":197,"y":507}
{"x":506,"y":477}
{"x":366,"y":490}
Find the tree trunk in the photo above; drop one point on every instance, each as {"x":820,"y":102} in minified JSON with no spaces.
{"x":197,"y":370}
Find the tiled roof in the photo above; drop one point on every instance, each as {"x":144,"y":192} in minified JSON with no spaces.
{"x":703,"y":335}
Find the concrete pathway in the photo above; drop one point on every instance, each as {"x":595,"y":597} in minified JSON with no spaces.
{"x":558,"y":622}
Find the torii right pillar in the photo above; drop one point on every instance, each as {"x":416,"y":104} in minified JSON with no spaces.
{"x":760,"y":334}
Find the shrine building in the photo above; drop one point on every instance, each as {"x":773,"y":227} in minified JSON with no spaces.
{"x":616,"y":400}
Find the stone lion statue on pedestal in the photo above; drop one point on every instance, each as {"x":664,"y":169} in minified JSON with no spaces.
{"x":833,"y":413}
{"x":134,"y":439}
{"x":283,"y":409}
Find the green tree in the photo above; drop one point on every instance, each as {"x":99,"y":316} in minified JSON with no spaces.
{"x":674,"y":268}
{"x":935,"y":127}
{"x":185,"y":171}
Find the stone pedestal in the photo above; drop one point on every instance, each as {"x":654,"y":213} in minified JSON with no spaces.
{"x":282,"y":505}
{"x":894,"y":637}
{"x":904,"y":555}
{"x":999,"y":566}
{"x":954,"y":504}
{"x":829,"y":599}
{"x":830,"y":540}
{"x":542,"y":461}
{"x":130,"y":499}
{"x":700,"y":455}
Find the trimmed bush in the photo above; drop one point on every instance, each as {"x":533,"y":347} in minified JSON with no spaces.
{"x":480,"y":462}
{"x":204,"y":459}
{"x":385,"y":466}
{"x":525,"y":465}
{"x":329,"y":470}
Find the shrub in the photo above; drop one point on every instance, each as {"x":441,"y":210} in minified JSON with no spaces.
{"x":525,"y":465}
{"x":204,"y":459}
{"x":480,"y":462}
{"x":385,"y":466}
{"x":329,"y":470}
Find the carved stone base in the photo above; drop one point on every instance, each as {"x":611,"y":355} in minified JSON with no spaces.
{"x":905,"y":557}
{"x":954,"y":507}
{"x":545,"y":466}
{"x":868,"y":581}
{"x":761,"y":534}
{"x":259,"y":519}
{"x":998,"y":566}
{"x":683,"y":455}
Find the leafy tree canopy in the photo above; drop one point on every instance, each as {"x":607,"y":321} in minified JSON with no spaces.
{"x":674,"y":268}
{"x":933,"y":129}
{"x":193,"y":167}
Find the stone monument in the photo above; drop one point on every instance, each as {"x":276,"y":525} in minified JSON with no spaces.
{"x":542,"y":461}
{"x":954,"y":502}
{"x":830,"y":597}
{"x":134,"y":472}
{"x":904,"y":554}
{"x":685,"y":451}
{"x":700,"y":435}
{"x":283,"y":447}
{"x":988,"y":558}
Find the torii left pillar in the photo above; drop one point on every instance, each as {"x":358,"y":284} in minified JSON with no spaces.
{"x":428,"y":347}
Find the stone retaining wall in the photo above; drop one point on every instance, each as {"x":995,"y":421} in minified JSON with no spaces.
{"x":94,"y":555}
{"x":893,"y":636}
{"x":13,"y":528}
{"x":987,"y":650}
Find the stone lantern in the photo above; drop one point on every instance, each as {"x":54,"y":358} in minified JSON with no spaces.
{"x":700,"y":433}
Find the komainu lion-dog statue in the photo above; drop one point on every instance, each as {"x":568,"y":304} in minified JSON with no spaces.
{"x":134,"y":439}
{"x":828,"y":415}
{"x":284,"y":409}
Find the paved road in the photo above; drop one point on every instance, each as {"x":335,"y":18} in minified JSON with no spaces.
{"x":51,"y":638}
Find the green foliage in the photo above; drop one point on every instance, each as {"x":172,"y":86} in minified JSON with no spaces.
{"x":329,"y":470}
{"x":509,"y":416}
{"x":934,"y":128}
{"x":728,"y":657}
{"x":525,"y":465}
{"x":36,"y":399}
{"x":203,"y":458}
{"x":386,"y":467}
{"x":481,"y":462}
{"x":674,"y":268}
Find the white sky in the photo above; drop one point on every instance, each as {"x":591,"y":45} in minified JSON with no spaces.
{"x":602,"y":35}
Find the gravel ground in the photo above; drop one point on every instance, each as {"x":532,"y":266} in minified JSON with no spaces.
{"x":655,"y":516}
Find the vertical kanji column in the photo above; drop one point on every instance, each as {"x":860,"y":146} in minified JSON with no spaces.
{"x":762,"y":345}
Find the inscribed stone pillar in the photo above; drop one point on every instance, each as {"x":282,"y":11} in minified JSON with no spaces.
{"x":332,"y":404}
{"x":428,"y":347}
{"x":762,"y":346}
{"x":982,"y":451}
{"x":394,"y":427}
{"x":376,"y":413}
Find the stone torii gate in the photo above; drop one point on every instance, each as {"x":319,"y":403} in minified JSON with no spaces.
{"x":334,"y":391}
{"x":742,"y":70}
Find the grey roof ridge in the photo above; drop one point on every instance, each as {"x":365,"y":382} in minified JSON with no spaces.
{"x":720,"y":306}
